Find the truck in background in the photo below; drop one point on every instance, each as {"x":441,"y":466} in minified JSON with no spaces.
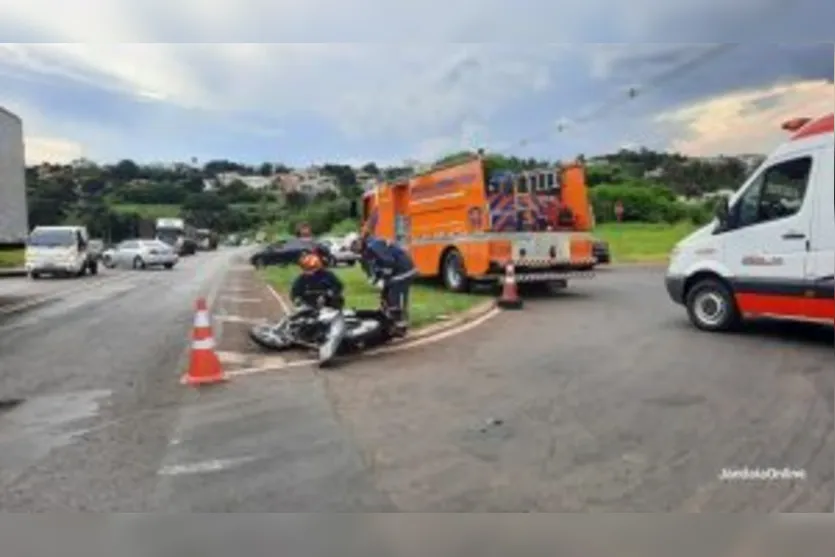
{"x":207,"y":240}
{"x":178,"y":234}
{"x":14,"y":222}
{"x":466,"y":222}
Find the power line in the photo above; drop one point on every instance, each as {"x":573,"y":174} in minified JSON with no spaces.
{"x":708,"y":55}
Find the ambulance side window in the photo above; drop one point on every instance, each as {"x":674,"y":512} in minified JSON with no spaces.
{"x":777,"y":193}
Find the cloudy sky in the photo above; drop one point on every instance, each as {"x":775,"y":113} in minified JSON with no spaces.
{"x":418,"y":91}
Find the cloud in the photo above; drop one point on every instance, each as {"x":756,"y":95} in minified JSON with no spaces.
{"x":365,"y":89}
{"x":746,"y":121}
{"x":387,"y":99}
{"x":429,"y":21}
{"x":52,"y":150}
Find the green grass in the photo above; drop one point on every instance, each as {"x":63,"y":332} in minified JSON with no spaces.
{"x":11,"y":259}
{"x":149,"y":211}
{"x":428,"y":304}
{"x":642,"y":242}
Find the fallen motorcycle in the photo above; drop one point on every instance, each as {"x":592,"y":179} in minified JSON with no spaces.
{"x":329,"y":331}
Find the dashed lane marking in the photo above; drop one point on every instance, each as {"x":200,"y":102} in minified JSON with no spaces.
{"x":242,"y":300}
{"x":256,"y":370}
{"x":233,"y":358}
{"x":239,"y":319}
{"x":206,"y":466}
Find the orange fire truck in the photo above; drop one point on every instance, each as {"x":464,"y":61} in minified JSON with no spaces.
{"x":466,"y":222}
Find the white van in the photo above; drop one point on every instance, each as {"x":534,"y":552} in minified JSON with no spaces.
{"x":770,"y":251}
{"x":59,"y":250}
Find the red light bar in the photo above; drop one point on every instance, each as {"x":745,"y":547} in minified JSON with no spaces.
{"x":795,"y":124}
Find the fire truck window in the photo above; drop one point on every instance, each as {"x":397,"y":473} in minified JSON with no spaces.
{"x":507,"y":185}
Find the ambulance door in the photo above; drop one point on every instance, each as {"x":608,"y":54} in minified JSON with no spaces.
{"x":765,"y":239}
{"x":820,"y":272}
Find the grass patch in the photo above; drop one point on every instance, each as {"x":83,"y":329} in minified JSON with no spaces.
{"x":150,"y":211}
{"x":11,"y":259}
{"x":428,"y":304}
{"x":642,"y":242}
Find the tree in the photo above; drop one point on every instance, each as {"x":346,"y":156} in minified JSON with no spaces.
{"x":205,"y":210}
{"x":266,"y":169}
{"x":371,"y":168}
{"x":125,"y":171}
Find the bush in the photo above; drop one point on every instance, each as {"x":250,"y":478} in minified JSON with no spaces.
{"x":642,"y":202}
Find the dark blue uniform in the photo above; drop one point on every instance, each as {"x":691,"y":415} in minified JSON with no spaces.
{"x":309,"y":286}
{"x":391,"y":264}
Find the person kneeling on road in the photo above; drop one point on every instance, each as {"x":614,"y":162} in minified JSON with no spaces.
{"x":390,"y":269}
{"x":316,"y":285}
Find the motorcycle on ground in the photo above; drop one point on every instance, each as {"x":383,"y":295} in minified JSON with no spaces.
{"x":328,"y":330}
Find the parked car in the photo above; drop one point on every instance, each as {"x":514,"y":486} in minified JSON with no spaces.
{"x":601,"y":252}
{"x":140,"y":254}
{"x":59,"y":250}
{"x":289,"y":252}
{"x":341,"y":251}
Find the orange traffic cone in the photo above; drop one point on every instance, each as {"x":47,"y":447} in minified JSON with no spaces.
{"x":510,"y":294}
{"x":204,"y":365}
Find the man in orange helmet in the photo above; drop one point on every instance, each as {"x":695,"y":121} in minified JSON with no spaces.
{"x":316,"y":284}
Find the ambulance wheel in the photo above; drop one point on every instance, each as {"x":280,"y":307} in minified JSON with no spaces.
{"x":453,"y":272}
{"x":711,"y":306}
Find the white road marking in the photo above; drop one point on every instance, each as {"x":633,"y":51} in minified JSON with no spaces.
{"x":236,"y":289}
{"x":285,"y":307}
{"x":242,"y":300}
{"x":267,"y":361}
{"x":232,"y":357}
{"x":239,"y":319}
{"x":256,"y":370}
{"x":204,"y":467}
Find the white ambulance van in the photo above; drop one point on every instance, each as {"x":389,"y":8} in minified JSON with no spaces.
{"x":770,"y":251}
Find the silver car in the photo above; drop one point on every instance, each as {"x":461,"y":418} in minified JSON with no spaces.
{"x":140,"y":254}
{"x":340,"y":250}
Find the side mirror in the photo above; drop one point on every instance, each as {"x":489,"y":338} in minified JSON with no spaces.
{"x":722,"y":211}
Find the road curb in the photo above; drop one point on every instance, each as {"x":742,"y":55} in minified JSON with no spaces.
{"x":422,"y":333}
{"x":12,"y":273}
{"x":456,"y":321}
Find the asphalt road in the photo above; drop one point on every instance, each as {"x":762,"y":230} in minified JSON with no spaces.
{"x":97,"y":369}
{"x":602,"y":398}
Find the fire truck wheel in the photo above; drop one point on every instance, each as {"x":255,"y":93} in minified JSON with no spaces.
{"x":454,"y":272}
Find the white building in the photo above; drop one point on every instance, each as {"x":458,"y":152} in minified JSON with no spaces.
{"x":310,"y":181}
{"x":254,"y":182}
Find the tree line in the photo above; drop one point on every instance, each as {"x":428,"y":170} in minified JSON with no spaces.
{"x":113,"y":199}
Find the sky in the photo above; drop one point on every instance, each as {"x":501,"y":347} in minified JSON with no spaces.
{"x":438,"y":77}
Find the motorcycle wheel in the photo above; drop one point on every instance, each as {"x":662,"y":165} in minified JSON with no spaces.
{"x":270,"y":336}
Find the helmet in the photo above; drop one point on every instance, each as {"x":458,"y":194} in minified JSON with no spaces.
{"x":310,"y":262}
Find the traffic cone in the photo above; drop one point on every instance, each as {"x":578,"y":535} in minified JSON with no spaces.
{"x":204,"y":365}
{"x":510,"y":293}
